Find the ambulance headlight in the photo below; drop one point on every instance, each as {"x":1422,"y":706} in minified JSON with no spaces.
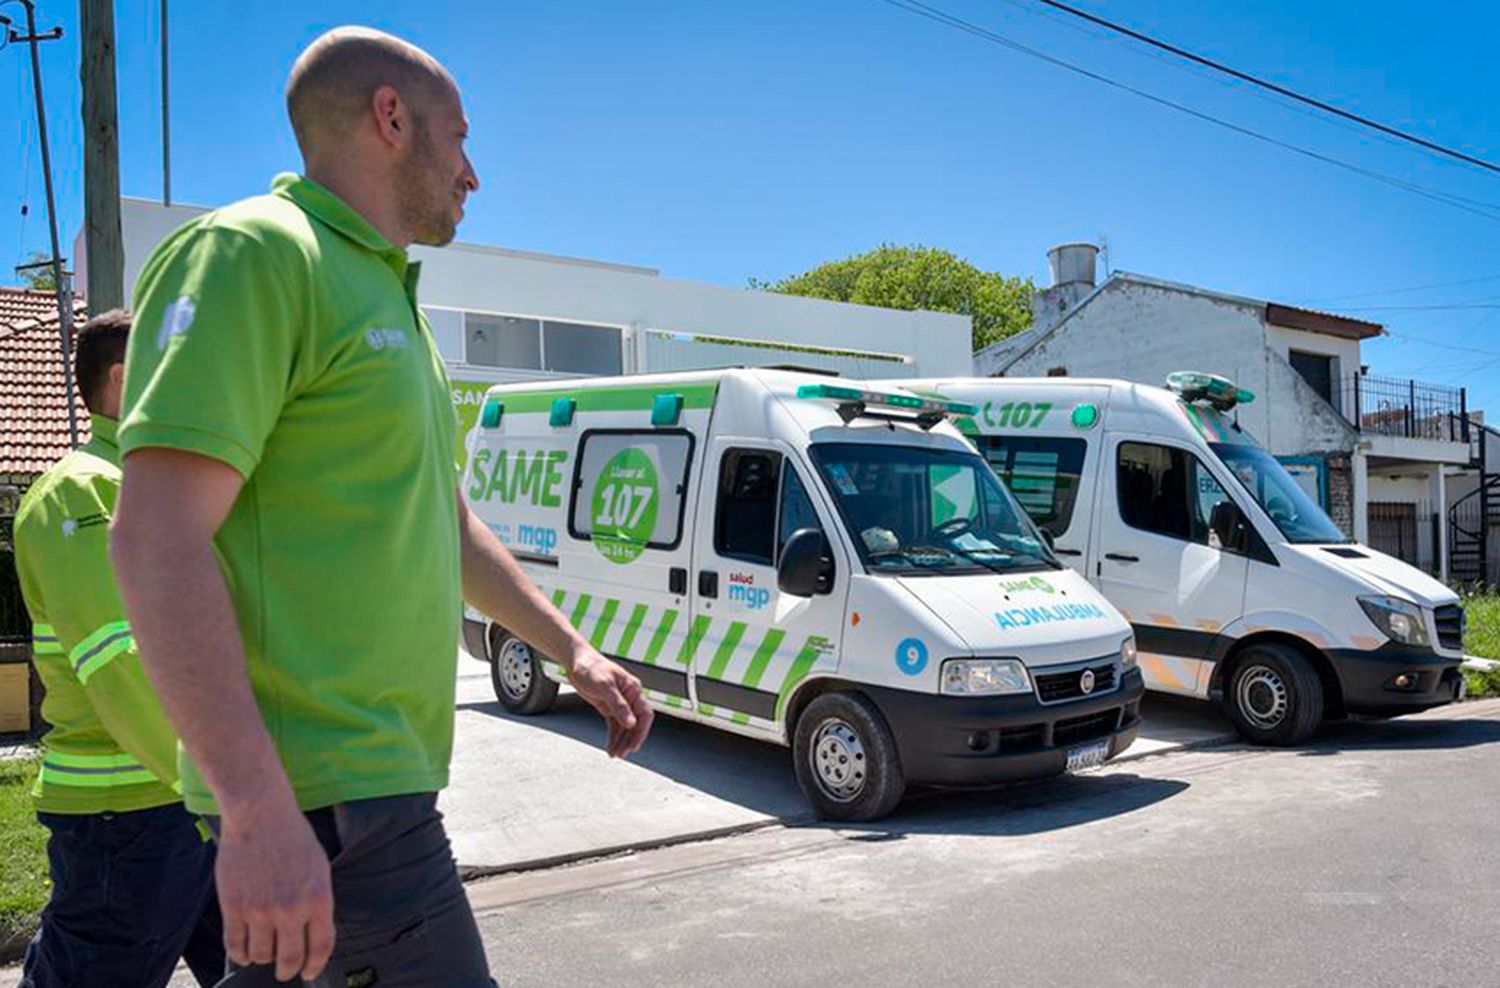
{"x":1399,"y":620}
{"x":1127,"y":653}
{"x":984,"y":677}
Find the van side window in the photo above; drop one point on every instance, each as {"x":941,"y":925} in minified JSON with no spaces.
{"x":797,"y":509}
{"x":745,"y":521}
{"x":1042,"y":474}
{"x":630,"y":487}
{"x":1168,"y":491}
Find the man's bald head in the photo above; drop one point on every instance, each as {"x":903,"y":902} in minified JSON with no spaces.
{"x":334,"y":79}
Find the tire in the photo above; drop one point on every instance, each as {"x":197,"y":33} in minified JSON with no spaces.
{"x":1275,"y":697}
{"x":846,"y":759}
{"x":516,"y":674}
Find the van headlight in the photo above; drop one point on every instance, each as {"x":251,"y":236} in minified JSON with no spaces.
{"x":1127,"y":653}
{"x":1399,"y":620}
{"x":984,"y":677}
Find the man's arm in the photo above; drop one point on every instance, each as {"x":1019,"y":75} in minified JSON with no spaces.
{"x":496,"y":584}
{"x":273,"y":875}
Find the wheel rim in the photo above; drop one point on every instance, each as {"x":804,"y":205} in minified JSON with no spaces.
{"x":837,"y":759}
{"x":1262,"y":696}
{"x":514,"y":663}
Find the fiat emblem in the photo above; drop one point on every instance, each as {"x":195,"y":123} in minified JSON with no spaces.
{"x":1086,"y":682}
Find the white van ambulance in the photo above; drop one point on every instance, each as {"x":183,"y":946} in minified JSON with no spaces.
{"x":829,"y":568}
{"x":1237,"y":584}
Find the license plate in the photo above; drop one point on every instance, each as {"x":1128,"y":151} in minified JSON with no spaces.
{"x":1088,"y":756}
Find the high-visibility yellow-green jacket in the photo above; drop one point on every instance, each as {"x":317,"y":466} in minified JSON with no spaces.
{"x":110,"y":747}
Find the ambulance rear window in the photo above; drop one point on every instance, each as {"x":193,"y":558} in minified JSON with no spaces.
{"x":1042,"y":474}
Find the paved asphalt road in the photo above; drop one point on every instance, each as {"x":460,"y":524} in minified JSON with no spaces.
{"x":1370,"y":858}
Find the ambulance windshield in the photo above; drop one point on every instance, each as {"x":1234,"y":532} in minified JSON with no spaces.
{"x":1288,"y":505}
{"x":918,"y":510}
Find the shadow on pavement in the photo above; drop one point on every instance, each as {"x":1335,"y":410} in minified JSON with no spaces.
{"x":1404,"y":735}
{"x":758,"y":775}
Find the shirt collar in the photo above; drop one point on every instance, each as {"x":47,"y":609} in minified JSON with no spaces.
{"x":317,"y":201}
{"x":103,"y":430}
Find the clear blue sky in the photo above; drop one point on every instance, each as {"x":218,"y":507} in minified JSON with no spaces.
{"x":720,"y":141}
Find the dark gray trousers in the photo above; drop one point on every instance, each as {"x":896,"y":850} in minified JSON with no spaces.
{"x":400,"y":914}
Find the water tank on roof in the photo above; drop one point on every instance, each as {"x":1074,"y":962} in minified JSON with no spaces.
{"x":1073,"y":264}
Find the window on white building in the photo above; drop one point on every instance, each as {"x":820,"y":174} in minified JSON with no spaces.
{"x":447,"y":331}
{"x":502,"y":341}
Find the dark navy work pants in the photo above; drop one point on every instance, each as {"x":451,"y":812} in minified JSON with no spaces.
{"x":131,"y":893}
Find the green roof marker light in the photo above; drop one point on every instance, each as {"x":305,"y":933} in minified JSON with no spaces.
{"x":666,"y":409}
{"x":562,"y":411}
{"x":928,"y":410}
{"x":490,"y":417}
{"x":1085,"y":416}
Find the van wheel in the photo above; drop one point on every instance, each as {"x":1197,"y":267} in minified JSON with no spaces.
{"x":1275,"y":696}
{"x":516,"y":673}
{"x":846,"y":758}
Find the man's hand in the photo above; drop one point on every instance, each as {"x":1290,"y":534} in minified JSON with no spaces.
{"x":275,"y":892}
{"x":617,"y":695}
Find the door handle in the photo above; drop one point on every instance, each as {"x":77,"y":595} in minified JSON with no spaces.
{"x":1122,"y":557}
{"x":708,"y":583}
{"x":677,"y":580}
{"x":1066,"y":552}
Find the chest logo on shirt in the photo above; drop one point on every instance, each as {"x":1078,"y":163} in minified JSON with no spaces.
{"x":175,"y":321}
{"x":387,"y":339}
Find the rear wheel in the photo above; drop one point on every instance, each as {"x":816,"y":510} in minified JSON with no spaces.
{"x":1275,"y":696}
{"x":846,"y":758}
{"x":516,"y":674}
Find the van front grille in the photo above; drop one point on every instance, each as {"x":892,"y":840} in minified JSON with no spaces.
{"x":1055,"y":687}
{"x":1450,"y":626}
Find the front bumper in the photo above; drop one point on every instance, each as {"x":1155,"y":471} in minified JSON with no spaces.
{"x":1367,"y":679}
{"x":969,"y":741}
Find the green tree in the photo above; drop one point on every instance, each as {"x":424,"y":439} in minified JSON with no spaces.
{"x":919,"y":278}
{"x":39,"y":279}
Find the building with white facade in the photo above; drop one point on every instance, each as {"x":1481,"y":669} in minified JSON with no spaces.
{"x":1376,"y":452}
{"x":503,"y":315}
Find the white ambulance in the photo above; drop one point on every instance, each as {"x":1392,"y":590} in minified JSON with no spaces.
{"x":1236,"y":582}
{"x":784,"y":557}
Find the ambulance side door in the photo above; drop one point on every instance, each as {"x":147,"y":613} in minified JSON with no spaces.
{"x":755,"y":641}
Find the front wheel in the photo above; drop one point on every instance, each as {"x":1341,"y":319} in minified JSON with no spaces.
{"x":1275,"y":696}
{"x":846,"y":758}
{"x":516,"y":674}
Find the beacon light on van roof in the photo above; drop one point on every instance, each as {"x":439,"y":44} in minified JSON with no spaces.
{"x":927,"y":410}
{"x":1220,"y":392}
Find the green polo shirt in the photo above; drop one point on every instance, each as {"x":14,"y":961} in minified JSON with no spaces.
{"x":281,"y":336}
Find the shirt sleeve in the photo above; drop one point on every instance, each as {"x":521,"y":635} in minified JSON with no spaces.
{"x":67,"y":579}
{"x":216,"y":347}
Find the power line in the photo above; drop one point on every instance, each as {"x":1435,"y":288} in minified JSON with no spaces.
{"x":942,"y":17}
{"x":1423,"y":308}
{"x":1273,"y":87}
{"x":1402,"y":291}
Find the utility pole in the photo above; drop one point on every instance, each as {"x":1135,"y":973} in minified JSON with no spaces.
{"x":104,"y":250}
{"x":166,"y":113}
{"x":64,"y":290}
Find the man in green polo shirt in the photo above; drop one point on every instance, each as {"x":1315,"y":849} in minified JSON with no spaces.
{"x":287,"y":407}
{"x":132,"y":876}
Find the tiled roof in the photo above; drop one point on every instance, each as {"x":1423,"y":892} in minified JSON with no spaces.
{"x":33,"y":399}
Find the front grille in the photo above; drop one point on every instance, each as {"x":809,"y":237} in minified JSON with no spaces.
{"x":1074,"y":730}
{"x":1450,"y":626}
{"x":1055,"y":687}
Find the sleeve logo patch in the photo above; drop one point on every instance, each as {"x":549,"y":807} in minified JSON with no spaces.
{"x":175,"y":321}
{"x":387,"y":339}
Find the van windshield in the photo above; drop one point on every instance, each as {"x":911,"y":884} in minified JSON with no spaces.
{"x":1297,"y":516}
{"x":916,"y":510}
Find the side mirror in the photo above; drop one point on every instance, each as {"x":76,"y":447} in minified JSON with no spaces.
{"x":806,"y":566}
{"x":1227,"y":523}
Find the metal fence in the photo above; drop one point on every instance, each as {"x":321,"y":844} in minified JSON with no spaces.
{"x":1407,"y":530}
{"x":1392,"y":406}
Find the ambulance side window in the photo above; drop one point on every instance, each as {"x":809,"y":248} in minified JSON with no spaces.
{"x":1041,"y":473}
{"x":745,"y":521}
{"x":797,"y":509}
{"x":1168,"y":491}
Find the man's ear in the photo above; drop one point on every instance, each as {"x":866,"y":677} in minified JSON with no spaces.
{"x":392,"y":121}
{"x":117,"y":376}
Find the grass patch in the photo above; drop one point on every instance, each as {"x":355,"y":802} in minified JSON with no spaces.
{"x":24,"y":884}
{"x":1483,"y":639}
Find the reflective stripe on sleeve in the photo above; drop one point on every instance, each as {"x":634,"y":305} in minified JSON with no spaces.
{"x":98,"y":649}
{"x":93,"y":771}
{"x":44,"y":640}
